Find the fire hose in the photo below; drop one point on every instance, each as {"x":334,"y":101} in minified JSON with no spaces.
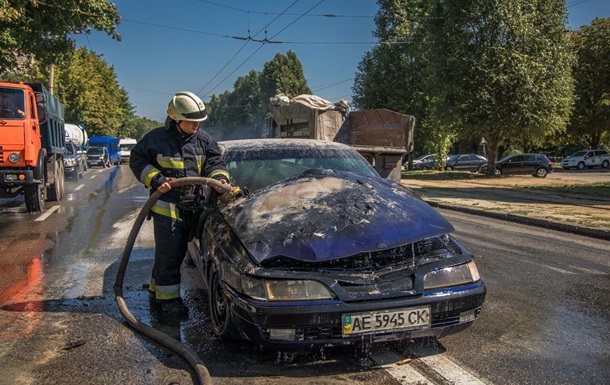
{"x":188,"y":354}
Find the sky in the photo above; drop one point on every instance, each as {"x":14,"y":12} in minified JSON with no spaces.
{"x":198,"y":45}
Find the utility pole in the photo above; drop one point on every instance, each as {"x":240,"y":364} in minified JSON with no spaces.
{"x":51,"y":74}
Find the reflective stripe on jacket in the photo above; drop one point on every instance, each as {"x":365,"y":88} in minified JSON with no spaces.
{"x":164,"y":152}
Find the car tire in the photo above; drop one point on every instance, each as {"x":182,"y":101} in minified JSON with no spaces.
{"x":220,"y":314}
{"x":581,"y":165}
{"x":498,"y":172}
{"x":541,"y":172}
{"x":605,"y":164}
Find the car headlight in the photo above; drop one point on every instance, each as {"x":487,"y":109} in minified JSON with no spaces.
{"x":284,"y":290}
{"x":452,"y":276}
{"x":69,"y":162}
{"x":14,"y":157}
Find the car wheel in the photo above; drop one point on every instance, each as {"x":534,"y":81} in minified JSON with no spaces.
{"x":498,"y":172}
{"x":541,"y":172}
{"x":581,"y":166}
{"x":220,"y":314}
{"x":605,"y":164}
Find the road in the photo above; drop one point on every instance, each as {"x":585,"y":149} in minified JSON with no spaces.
{"x":546,"y":318}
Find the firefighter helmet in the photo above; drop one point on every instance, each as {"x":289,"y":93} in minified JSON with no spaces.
{"x":186,"y":106}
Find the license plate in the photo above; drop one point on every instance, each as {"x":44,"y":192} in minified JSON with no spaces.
{"x":395,"y":319}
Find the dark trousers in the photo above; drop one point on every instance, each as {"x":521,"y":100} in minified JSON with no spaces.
{"x":171,"y":239}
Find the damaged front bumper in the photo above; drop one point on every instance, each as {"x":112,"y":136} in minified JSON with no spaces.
{"x":305,"y":325}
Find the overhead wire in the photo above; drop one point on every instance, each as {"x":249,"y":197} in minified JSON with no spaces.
{"x":227,"y":64}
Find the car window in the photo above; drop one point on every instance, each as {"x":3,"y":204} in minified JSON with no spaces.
{"x":579,"y":154}
{"x":600,"y":153}
{"x":517,"y":158}
{"x":258,"y":169}
{"x":530,"y":158}
{"x":95,"y":151}
{"x":69,"y":150}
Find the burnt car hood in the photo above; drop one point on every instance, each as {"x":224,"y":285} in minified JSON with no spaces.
{"x":323,"y":215}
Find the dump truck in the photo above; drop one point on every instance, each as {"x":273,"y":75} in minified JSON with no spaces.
{"x":382,"y":136}
{"x":32,"y":144}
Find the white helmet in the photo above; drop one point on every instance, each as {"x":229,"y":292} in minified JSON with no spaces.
{"x":186,"y":106}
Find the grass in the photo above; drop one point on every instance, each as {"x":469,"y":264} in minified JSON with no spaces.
{"x":600,"y":189}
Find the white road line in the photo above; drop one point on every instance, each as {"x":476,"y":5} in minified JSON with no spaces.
{"x":441,"y":365}
{"x":79,"y":187}
{"x":449,"y":370}
{"x":405,"y":374}
{"x":47,"y":214}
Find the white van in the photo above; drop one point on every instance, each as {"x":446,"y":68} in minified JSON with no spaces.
{"x":125,"y":146}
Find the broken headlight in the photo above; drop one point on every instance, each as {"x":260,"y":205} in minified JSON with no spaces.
{"x":452,"y":276}
{"x":284,"y":290}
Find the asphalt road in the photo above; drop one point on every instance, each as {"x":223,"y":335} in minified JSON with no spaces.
{"x":546,"y":318}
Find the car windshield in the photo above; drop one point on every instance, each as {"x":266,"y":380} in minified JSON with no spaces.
{"x":69,"y":150}
{"x":579,"y":154}
{"x":126,"y":147}
{"x":256,"y":169}
{"x":95,"y":151}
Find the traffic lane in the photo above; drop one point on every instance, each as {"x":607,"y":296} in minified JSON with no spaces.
{"x":546,"y":319}
{"x":80,"y":337}
{"x":55,"y":303}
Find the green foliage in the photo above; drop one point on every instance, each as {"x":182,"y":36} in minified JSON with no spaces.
{"x":34,"y":29}
{"x":241,"y":113}
{"x":89,"y":89}
{"x":138,"y":127}
{"x":392,"y":74}
{"x":591,"y":118}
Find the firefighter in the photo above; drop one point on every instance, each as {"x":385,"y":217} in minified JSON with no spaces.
{"x":178,"y":149}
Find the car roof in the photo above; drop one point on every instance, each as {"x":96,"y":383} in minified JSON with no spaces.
{"x":281,"y":144}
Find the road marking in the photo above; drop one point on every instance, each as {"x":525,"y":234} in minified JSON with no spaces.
{"x":79,"y":187}
{"x":405,"y":374}
{"x":441,"y":370}
{"x":47,"y":214}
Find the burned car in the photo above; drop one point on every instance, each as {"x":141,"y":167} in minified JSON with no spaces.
{"x":323,"y":251}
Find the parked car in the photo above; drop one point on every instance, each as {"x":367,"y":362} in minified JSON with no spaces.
{"x":98,"y":156}
{"x":74,"y":161}
{"x":535,"y":164}
{"x":465,"y":162}
{"x":425,"y":162}
{"x":586,"y":158}
{"x":325,"y":252}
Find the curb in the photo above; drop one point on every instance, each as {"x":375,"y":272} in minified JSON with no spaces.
{"x":568,"y":228}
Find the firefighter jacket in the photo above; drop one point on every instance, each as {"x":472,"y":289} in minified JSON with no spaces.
{"x":166,"y":153}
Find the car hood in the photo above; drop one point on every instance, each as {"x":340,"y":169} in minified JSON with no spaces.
{"x":323,"y":215}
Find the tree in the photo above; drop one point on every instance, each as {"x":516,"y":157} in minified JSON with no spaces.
{"x":283,"y":74}
{"x":34,"y":29}
{"x":501,"y":70}
{"x":393,"y":74}
{"x":241,"y":113}
{"x":91,"y":94}
{"x":591,"y":117}
{"x":138,"y":127}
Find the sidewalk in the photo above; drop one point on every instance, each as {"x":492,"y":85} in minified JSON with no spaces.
{"x":526,"y":200}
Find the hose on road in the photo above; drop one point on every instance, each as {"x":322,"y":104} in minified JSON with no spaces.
{"x":162,"y":338}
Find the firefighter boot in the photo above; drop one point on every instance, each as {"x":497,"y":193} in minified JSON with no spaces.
{"x":174,"y":306}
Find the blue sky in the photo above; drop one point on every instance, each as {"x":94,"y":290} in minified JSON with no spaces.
{"x":169,"y":46}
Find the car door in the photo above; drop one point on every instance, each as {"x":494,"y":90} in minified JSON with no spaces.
{"x":461,"y":163}
{"x":530,"y":164}
{"x":514,"y":165}
{"x":590,"y":159}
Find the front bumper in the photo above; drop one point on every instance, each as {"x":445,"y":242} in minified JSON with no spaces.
{"x":318,"y":324}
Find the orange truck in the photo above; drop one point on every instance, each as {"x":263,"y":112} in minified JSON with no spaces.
{"x":32,"y":144}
